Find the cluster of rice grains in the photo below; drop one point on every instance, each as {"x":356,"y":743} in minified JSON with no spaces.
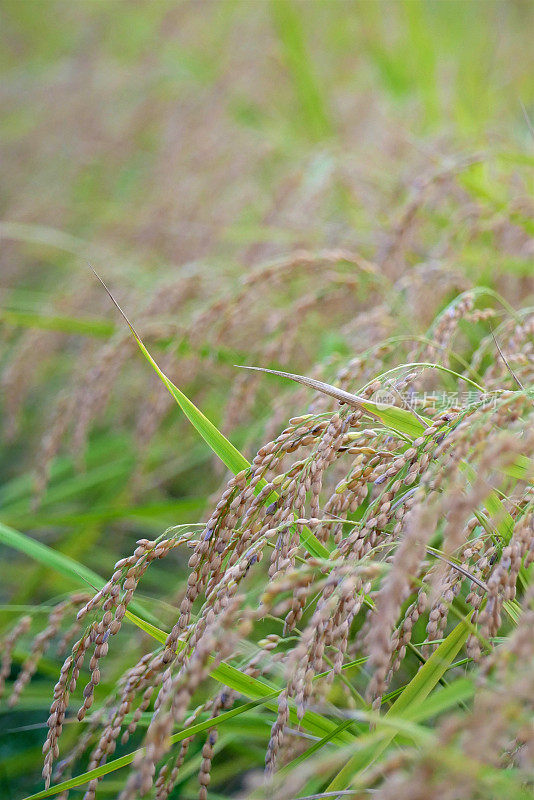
{"x":41,"y":643}
{"x":346,"y":538}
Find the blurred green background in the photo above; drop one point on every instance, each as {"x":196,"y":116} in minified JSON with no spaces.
{"x":181,"y":147}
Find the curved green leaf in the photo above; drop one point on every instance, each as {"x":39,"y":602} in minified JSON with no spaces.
{"x":406,"y":705}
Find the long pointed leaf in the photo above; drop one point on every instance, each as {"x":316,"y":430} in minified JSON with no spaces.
{"x":123,"y":761}
{"x":221,"y":446}
{"x":406,"y":705}
{"x":57,"y":561}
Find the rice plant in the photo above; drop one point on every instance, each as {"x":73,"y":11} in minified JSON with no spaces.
{"x":377,"y":549}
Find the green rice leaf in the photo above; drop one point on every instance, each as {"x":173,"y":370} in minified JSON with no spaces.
{"x":65,"y":565}
{"x":406,"y":705}
{"x":50,"y":558}
{"x":398,"y":419}
{"x":69,"y":325}
{"x":221,"y":446}
{"x":521,"y":468}
{"x":458,"y":691}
